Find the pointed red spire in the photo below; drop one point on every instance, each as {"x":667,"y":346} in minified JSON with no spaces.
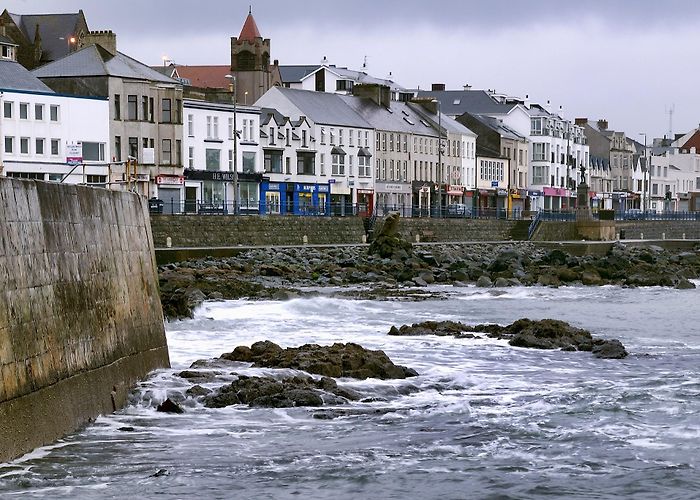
{"x":250,"y":29}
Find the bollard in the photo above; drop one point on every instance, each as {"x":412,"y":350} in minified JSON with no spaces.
{"x":169,"y":242}
{"x":418,"y":238}
{"x":617,"y":236}
{"x":641,"y":236}
{"x":683,"y":235}
{"x":663,"y":236}
{"x":364,"y":238}
{"x":305,"y":239}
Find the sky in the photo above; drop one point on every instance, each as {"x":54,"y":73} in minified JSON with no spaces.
{"x":627,"y":61}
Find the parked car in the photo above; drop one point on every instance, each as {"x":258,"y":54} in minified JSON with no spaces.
{"x":458,"y":210}
{"x":634,"y":214}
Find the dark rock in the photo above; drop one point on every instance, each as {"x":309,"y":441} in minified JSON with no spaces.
{"x":609,"y":349}
{"x":195,"y":375}
{"x":168,"y":406}
{"x":420,"y":282}
{"x":591,"y":278}
{"x":484,"y":282}
{"x":197,"y":391}
{"x":684,"y":284}
{"x":339,"y":360}
{"x":387,"y":241}
{"x":267,"y":392}
{"x":501,"y":283}
{"x":544,"y":334}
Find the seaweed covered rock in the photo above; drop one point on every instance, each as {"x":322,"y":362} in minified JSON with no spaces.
{"x":388,"y":243}
{"x":543,"y":334}
{"x":339,"y":360}
{"x":268,"y":392}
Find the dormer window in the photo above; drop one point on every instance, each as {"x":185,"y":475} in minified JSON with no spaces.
{"x":7,"y":49}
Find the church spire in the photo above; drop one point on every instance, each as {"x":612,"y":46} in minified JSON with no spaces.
{"x":250,"y":29}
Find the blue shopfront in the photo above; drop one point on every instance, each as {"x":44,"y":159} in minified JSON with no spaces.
{"x":295,"y":198}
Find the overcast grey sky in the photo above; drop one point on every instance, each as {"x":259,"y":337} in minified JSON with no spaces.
{"x":624,"y":60}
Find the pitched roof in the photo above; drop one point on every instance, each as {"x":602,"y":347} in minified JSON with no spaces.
{"x":295,"y":74}
{"x":54,"y":30}
{"x":250,"y":29}
{"x":401,"y":118}
{"x":498,"y":126}
{"x":96,"y":61}
{"x":323,"y":108}
{"x":206,"y":77}
{"x":458,"y":102}
{"x":6,"y":41}
{"x":14,"y":76}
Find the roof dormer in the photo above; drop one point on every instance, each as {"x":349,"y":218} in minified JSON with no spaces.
{"x":8,"y":49}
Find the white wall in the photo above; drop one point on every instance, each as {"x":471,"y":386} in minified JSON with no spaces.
{"x":79,"y":120}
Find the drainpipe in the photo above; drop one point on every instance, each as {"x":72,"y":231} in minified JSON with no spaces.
{"x":2,"y":139}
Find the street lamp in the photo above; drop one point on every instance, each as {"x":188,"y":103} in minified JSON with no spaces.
{"x":233,"y":89}
{"x":439,"y":168}
{"x":646,"y":185}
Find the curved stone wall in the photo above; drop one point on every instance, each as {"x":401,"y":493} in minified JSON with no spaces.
{"x":80,"y":314}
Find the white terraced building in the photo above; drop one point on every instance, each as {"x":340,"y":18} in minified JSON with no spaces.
{"x":43,"y":132}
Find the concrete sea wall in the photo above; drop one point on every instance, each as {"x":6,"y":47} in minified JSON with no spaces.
{"x":80,"y":313}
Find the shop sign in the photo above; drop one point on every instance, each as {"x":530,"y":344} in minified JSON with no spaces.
{"x":273,"y":187}
{"x":534,"y":194}
{"x":502,"y":192}
{"x":324,"y":189}
{"x":170,"y":180}
{"x":306,"y":188}
{"x":494,"y":184}
{"x":74,"y":154}
{"x":365,"y":191}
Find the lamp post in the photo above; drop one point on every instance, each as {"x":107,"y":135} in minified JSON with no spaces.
{"x":234,"y":90}
{"x":439,"y":168}
{"x":646,"y":185}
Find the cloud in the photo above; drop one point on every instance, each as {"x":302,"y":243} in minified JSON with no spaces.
{"x":626,"y":60}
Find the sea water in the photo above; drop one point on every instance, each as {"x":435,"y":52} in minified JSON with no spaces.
{"x":482,"y":420}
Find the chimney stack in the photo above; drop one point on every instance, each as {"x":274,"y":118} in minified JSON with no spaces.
{"x":602,"y":124}
{"x":105,"y":39}
{"x":467,"y":86}
{"x":581,"y":121}
{"x":438,"y":87}
{"x":379,"y":94}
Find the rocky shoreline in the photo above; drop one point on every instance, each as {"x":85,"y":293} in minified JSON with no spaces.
{"x":402,"y":272}
{"x":316,"y":386}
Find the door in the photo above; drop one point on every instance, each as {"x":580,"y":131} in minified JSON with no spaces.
{"x":171,"y":200}
{"x":190,"y":200}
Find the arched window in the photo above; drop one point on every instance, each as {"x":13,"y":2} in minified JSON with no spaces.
{"x":246,"y":61}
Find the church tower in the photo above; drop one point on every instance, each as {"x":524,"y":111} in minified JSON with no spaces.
{"x":250,"y":63}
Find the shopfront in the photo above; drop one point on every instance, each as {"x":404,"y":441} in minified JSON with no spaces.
{"x":455,"y":195}
{"x":170,"y":192}
{"x":423,"y":196}
{"x":281,"y":198}
{"x":556,"y":199}
{"x":213,"y":191}
{"x":393,"y":197}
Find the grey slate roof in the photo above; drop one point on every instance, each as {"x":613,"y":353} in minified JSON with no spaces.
{"x":52,"y":27}
{"x":458,"y":102}
{"x":323,"y":108}
{"x":295,"y":74}
{"x":448,"y":124}
{"x":500,"y":127}
{"x":402,"y":119}
{"x":14,"y":76}
{"x":6,"y":41}
{"x":96,"y":61}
